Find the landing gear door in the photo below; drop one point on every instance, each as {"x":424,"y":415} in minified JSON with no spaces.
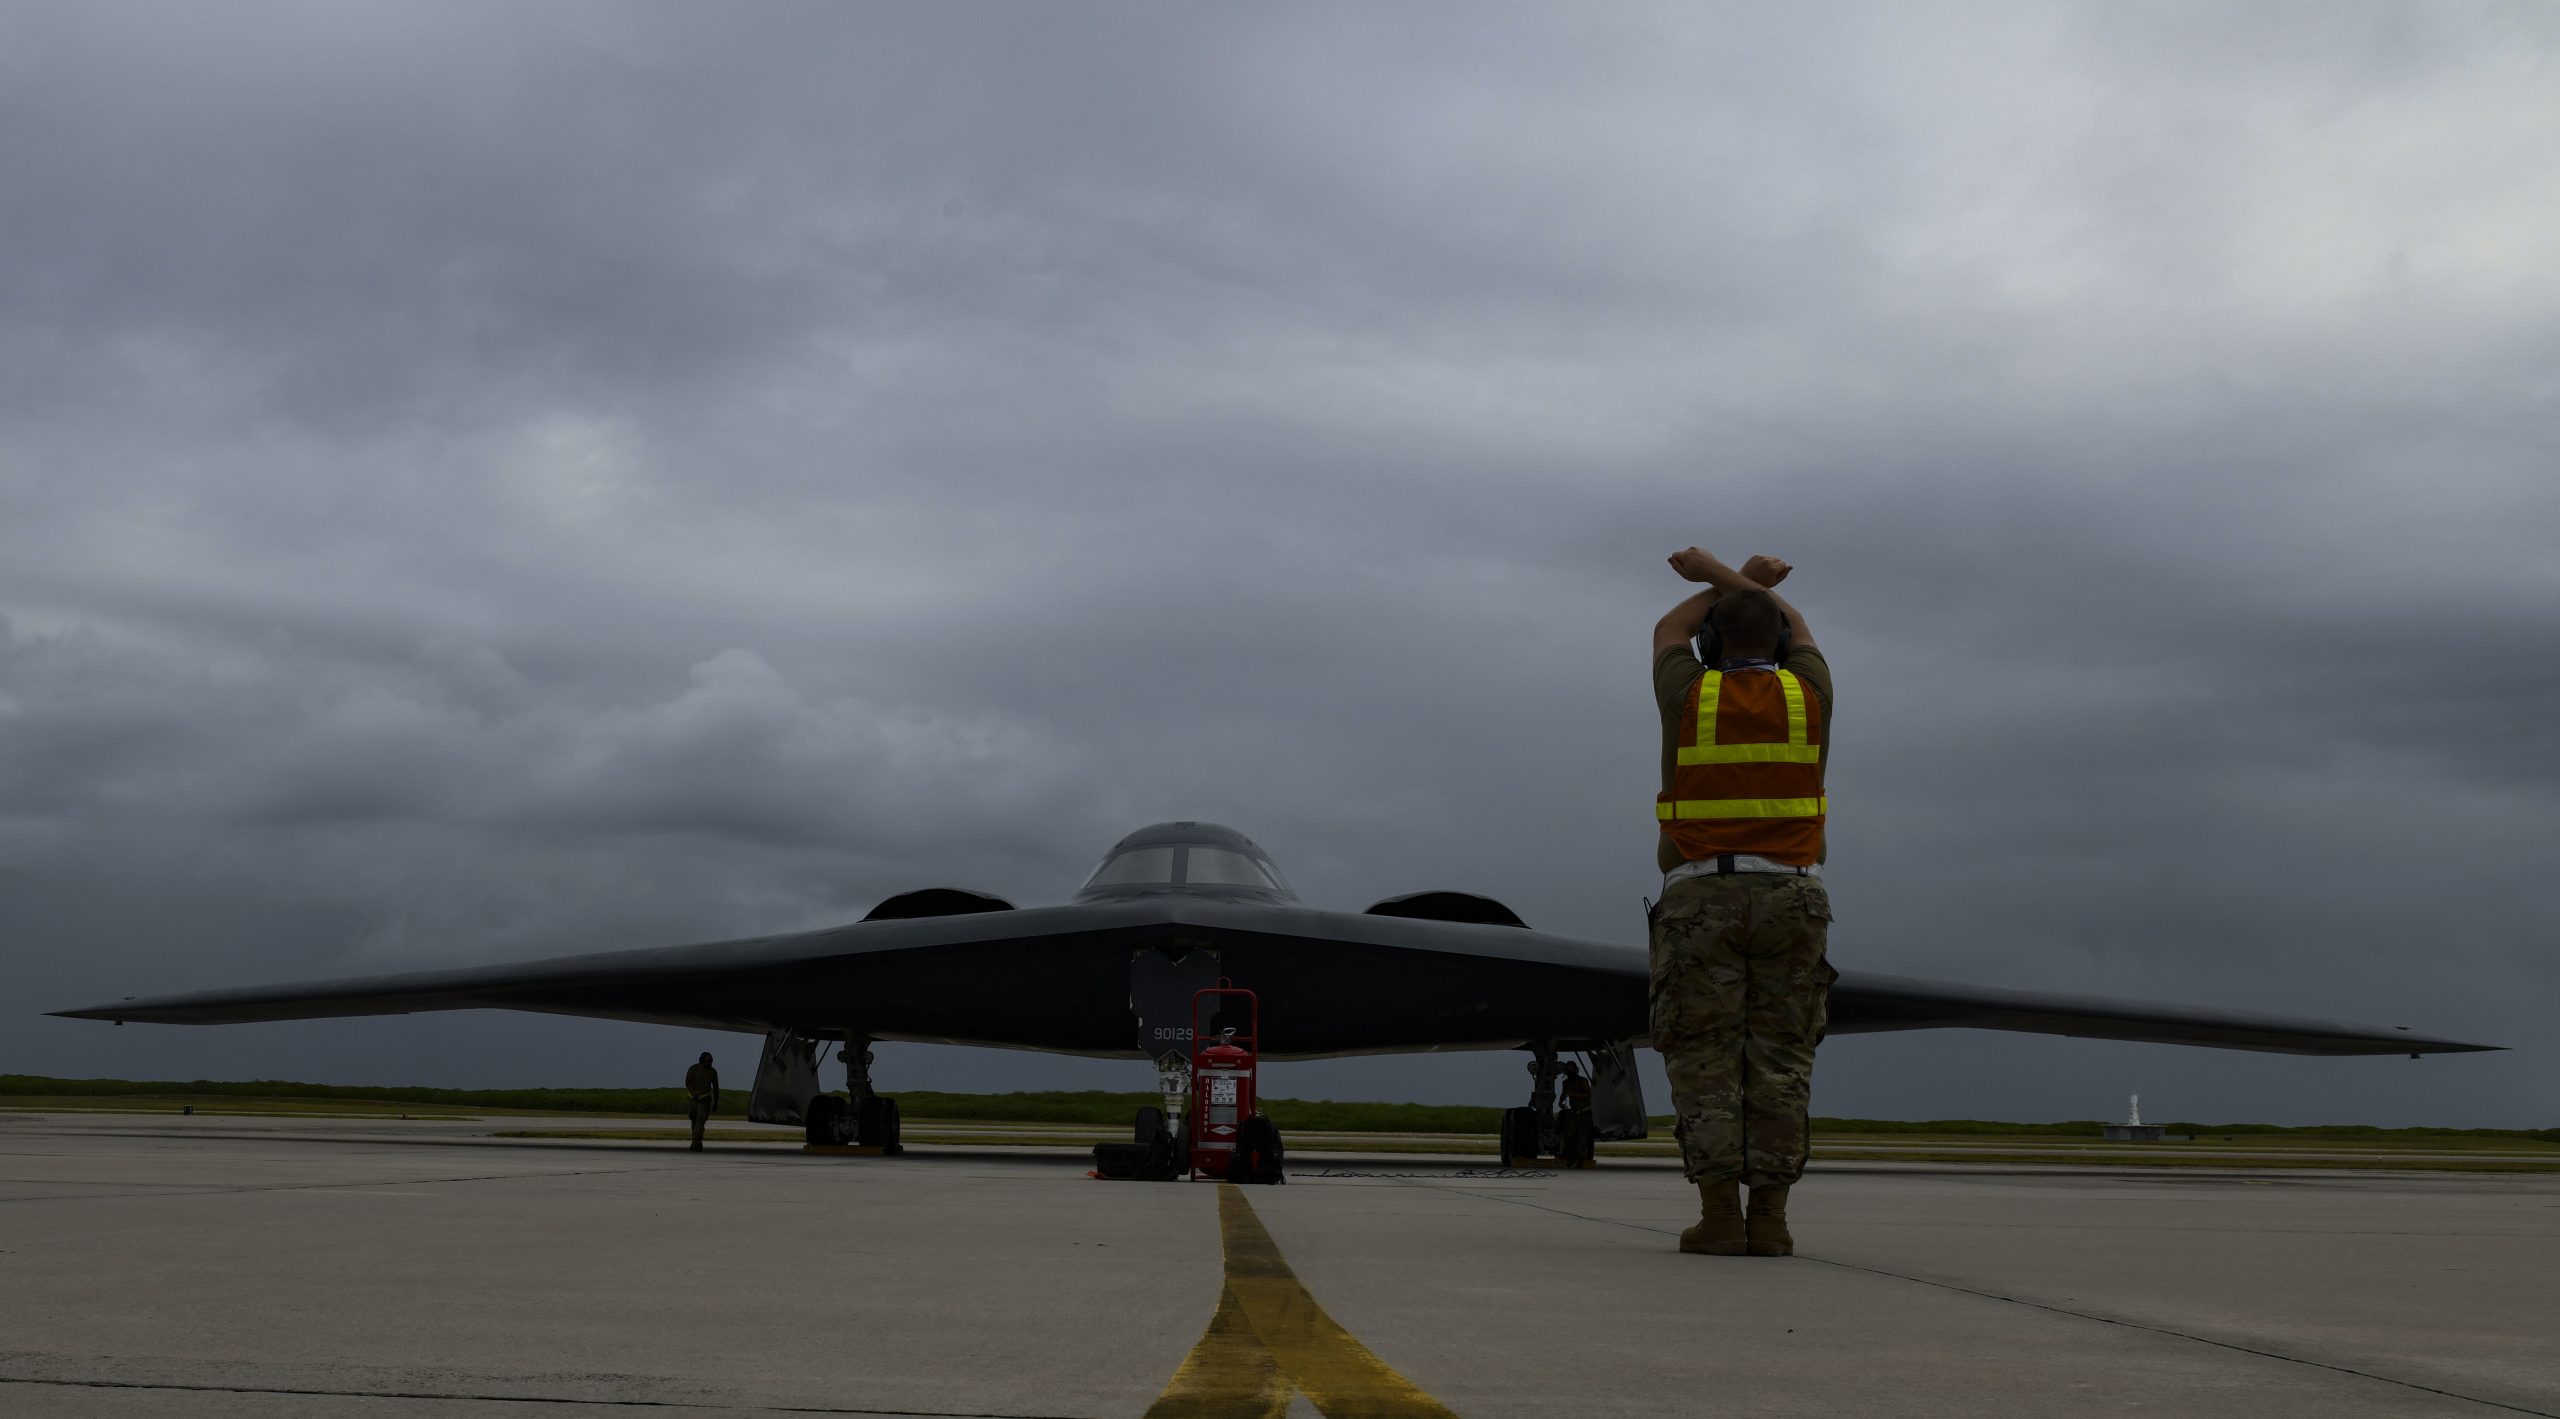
{"x":1160,"y":991}
{"x":1617,"y":1095}
{"x":786,"y":1079}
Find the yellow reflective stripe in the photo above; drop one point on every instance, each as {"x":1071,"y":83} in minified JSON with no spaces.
{"x":1752,"y":754}
{"x":1741,"y":808}
{"x":1794,"y":751}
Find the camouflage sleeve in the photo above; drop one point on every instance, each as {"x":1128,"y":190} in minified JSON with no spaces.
{"x":1809,"y":665}
{"x":1673,"y":672}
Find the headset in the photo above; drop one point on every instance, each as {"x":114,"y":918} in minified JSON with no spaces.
{"x":1710,"y":642}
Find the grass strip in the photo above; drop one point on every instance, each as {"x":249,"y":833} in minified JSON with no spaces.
{"x":230,"y":1107}
{"x":1103,"y":1108}
{"x":1473,"y":1147}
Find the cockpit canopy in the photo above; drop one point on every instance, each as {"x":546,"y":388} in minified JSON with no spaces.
{"x":1201,"y":858}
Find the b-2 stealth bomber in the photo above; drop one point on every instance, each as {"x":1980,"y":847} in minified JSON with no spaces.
{"x":1174,"y":908}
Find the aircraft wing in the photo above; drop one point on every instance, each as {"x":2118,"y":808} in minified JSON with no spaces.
{"x":1079,"y":978}
{"x":917,"y":977}
{"x":1863,"y":1002}
{"x":1073,"y":979}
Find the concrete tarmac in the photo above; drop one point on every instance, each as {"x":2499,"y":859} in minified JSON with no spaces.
{"x":217,"y":1266}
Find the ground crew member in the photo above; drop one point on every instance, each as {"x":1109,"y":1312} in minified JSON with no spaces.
{"x":1575,"y":1088}
{"x":1740,"y":983}
{"x":702,"y":1086}
{"x":1576,"y":1142}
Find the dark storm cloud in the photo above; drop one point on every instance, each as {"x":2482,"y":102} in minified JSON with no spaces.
{"x":484,"y":482}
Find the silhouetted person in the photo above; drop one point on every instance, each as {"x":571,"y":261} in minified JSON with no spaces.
{"x":1576,"y":1139}
{"x":1575,"y":1089}
{"x":702,"y":1084}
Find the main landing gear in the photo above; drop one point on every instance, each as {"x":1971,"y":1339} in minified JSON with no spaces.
{"x":787,"y":1091}
{"x":857,"y":1120}
{"x":1540,"y":1132}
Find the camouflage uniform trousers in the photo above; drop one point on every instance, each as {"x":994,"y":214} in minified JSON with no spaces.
{"x":1740,"y":996}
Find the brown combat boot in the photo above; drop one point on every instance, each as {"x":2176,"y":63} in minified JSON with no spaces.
{"x":1767,"y":1226}
{"x":1720,"y":1229}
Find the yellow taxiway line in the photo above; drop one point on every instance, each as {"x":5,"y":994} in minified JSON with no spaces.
{"x":1269,"y":1337}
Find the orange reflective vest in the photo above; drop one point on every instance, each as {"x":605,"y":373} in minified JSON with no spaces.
{"x":1748,"y":775}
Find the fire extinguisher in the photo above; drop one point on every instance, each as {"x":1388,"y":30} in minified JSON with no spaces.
{"x":1229,"y":1138}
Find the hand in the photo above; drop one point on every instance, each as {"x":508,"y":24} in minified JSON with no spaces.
{"x":1766,"y":570}
{"x":1692,"y":563}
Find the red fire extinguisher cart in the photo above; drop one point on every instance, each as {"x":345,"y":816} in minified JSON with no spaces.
{"x":1229,"y":1139}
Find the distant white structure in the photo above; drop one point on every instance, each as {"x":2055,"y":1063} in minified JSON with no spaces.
{"x":2133,"y":1129}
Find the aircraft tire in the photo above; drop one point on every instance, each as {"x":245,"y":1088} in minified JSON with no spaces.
{"x":1579,"y":1143}
{"x":1519,"y":1134}
{"x":822,"y":1123}
{"x":875,"y":1125}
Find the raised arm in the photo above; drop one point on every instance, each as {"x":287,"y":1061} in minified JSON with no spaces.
{"x":1796,"y":628}
{"x":1681,"y":622}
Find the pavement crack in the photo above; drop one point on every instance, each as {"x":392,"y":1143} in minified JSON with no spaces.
{"x":451,"y":1398}
{"x":2176,"y":1334}
{"x":2047,"y":1307}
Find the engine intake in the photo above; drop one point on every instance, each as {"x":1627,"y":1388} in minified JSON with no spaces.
{"x":936,"y":901}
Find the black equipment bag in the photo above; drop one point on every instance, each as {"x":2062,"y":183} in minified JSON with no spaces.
{"x":1257,"y":1158}
{"x":1122,"y":1160}
{"x":1156,"y":1156}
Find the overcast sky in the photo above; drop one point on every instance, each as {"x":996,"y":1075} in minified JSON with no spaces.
{"x":486,"y":481}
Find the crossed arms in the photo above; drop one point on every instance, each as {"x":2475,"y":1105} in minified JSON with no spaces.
{"x":1697,"y":564}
